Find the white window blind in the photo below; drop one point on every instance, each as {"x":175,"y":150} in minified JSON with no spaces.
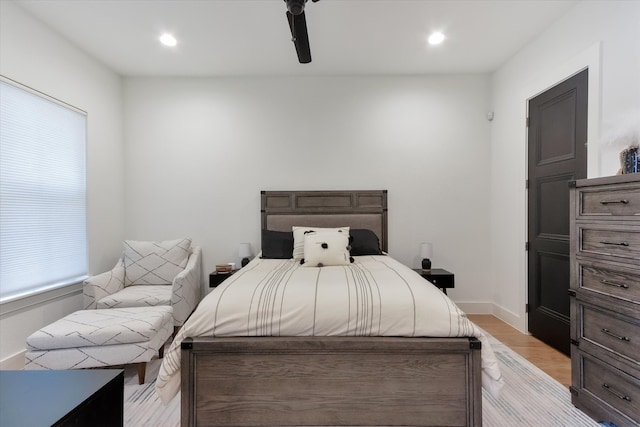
{"x":43,"y":231}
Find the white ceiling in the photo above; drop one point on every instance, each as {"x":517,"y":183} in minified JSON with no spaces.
{"x":251,"y":37}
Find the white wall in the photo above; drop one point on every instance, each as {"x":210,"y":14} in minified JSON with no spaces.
{"x":37,"y":57}
{"x":200,"y":150}
{"x":603,"y":35}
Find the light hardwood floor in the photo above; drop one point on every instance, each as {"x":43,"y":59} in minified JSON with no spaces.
{"x":551,"y":361}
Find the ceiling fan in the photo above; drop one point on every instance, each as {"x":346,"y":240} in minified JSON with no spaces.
{"x":298,"y":27}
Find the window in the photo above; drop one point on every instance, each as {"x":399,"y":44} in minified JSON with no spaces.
{"x":43,"y":227}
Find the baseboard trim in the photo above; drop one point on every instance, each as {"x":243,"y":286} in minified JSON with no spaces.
{"x":511,"y":318}
{"x":507,"y":316}
{"x":471,"y":307}
{"x":14,"y":362}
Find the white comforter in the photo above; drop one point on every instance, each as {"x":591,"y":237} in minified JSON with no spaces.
{"x":374,"y":296}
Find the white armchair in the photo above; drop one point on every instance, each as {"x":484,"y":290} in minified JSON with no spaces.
{"x":150,"y":274}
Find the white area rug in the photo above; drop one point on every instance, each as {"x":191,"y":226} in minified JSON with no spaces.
{"x":530,"y":397}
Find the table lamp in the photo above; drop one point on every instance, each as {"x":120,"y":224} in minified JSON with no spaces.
{"x":245,"y":253}
{"x":426,"y":252}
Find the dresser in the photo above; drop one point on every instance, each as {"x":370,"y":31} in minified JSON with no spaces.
{"x":605,"y":298}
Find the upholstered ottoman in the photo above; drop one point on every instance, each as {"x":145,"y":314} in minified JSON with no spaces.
{"x":105,"y":337}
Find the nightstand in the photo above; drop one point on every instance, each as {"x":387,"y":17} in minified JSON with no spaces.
{"x":216,"y":278}
{"x":441,"y":278}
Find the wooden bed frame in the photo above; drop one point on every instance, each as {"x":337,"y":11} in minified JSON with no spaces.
{"x":337,"y":381}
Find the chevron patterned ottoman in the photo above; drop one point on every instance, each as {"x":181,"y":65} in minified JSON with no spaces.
{"x":105,"y":337}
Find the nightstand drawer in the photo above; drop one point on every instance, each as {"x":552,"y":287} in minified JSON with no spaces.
{"x":439,"y":277}
{"x":443,"y":281}
{"x":216,"y":278}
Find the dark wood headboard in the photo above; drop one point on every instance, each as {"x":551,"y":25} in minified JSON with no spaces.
{"x":280,"y":210}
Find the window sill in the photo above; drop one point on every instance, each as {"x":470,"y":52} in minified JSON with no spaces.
{"x":20,"y":303}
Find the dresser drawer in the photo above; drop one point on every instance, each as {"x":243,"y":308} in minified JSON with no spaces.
{"x":609,"y":279}
{"x":609,"y":241}
{"x":610,"y":201}
{"x":616,"y":333}
{"x":611,"y":386}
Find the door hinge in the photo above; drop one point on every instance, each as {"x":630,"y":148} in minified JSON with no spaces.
{"x":527,"y":121}
{"x":526,"y":246}
{"x":576,"y":343}
{"x":571,"y":292}
{"x":526,"y":308}
{"x":526,"y":184}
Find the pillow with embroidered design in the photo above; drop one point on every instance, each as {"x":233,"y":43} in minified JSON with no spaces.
{"x":298,"y":238}
{"x":326,"y":248}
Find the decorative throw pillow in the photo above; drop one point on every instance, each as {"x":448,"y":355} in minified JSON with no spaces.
{"x":298,"y":238}
{"x":277,"y":244}
{"x":364,"y":242}
{"x":325,"y":248}
{"x":154,"y":263}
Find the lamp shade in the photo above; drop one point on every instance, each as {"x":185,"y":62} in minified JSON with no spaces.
{"x":245,"y":250}
{"x":426,"y":250}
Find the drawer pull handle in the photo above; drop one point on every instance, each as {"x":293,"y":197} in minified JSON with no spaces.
{"x":615,"y":393}
{"x":615,"y":243}
{"x":614,"y":202}
{"x":617,"y":285}
{"x":611,"y":334}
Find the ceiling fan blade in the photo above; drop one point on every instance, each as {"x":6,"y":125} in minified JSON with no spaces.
{"x":299,"y":36}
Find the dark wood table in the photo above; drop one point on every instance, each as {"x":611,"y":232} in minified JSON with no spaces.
{"x":62,"y":398}
{"x":216,"y":278}
{"x":439,"y":277}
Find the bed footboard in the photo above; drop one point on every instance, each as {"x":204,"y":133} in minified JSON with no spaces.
{"x":337,"y":381}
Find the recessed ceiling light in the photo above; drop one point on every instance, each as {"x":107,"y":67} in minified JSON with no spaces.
{"x":168,"y":40}
{"x":436,"y":38}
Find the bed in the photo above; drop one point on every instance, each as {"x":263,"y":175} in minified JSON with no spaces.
{"x":365,"y":343}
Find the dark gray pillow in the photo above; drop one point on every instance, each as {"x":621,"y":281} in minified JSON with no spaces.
{"x":277,"y":244}
{"x":364,"y":242}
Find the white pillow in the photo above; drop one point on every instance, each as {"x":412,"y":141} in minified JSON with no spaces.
{"x":325,"y":248}
{"x":298,"y":238}
{"x":153,"y":263}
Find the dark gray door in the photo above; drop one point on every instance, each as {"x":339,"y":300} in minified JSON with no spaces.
{"x":557,"y":136}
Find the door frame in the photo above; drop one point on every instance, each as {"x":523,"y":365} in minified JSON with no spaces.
{"x":589,"y":58}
